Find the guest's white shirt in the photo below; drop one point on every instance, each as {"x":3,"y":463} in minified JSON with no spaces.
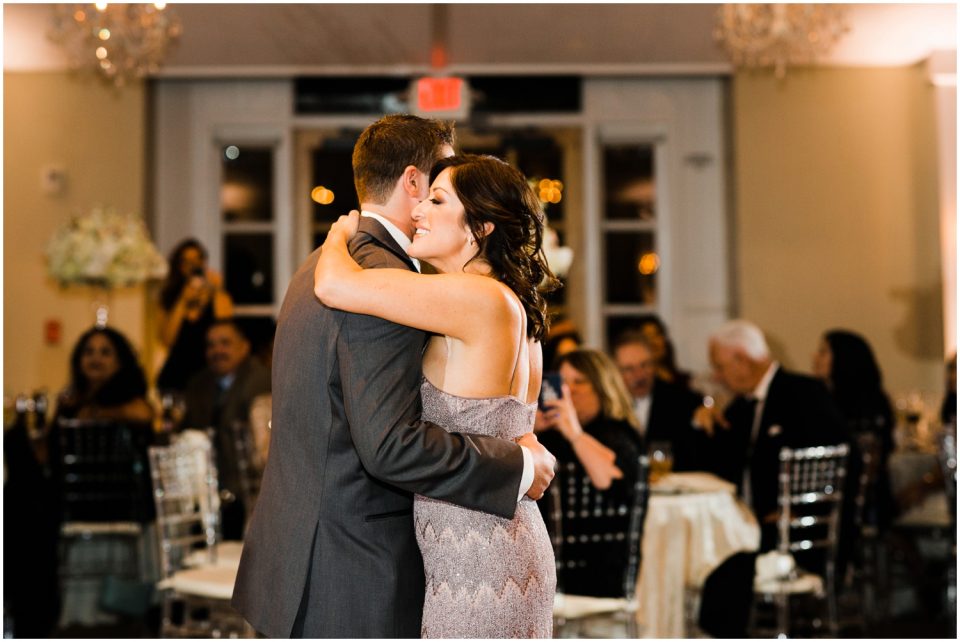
{"x":526,"y":481}
{"x":641,"y":408}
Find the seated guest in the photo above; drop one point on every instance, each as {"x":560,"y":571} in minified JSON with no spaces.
{"x":845,"y":363}
{"x":108,"y":385}
{"x":773,"y":409}
{"x":592,"y":424}
{"x":664,"y":411}
{"x":217,"y":397}
{"x":106,"y":380}
{"x":653,"y":328}
{"x":948,"y":411}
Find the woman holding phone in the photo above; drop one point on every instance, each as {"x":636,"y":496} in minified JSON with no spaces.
{"x":191,"y":298}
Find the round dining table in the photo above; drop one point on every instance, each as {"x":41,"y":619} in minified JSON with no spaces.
{"x":694,"y":522}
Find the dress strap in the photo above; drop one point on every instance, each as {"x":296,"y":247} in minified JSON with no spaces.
{"x":520,"y":344}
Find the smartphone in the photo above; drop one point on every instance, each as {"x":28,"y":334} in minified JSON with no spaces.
{"x":550,"y":389}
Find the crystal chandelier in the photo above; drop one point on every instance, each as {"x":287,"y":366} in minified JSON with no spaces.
{"x":119,"y":40}
{"x":765,"y":35}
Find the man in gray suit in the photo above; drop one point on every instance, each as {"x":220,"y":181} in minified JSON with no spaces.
{"x":331,"y":549}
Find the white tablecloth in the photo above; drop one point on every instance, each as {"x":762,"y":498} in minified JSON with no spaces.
{"x":686,"y":536}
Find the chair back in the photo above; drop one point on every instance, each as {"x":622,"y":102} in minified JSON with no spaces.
{"x":249,"y":467}
{"x":948,"y":466}
{"x":103,"y":470}
{"x":185,"y":492}
{"x":870,"y":449}
{"x":811,"y":499}
{"x":596,"y":534}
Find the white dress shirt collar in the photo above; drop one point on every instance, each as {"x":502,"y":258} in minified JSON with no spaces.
{"x":402,"y":239}
{"x":641,"y":408}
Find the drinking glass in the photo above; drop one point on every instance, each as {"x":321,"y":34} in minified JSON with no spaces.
{"x":661,"y":460}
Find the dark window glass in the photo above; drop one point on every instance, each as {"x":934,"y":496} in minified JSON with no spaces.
{"x":246,"y":193}
{"x":332,"y":169}
{"x":629,"y":186}
{"x":249,"y":267}
{"x":366,"y":95}
{"x":518,"y":94}
{"x":319,"y":238}
{"x":631,"y":266}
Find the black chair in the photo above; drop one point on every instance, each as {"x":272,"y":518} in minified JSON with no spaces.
{"x":947,"y":456}
{"x":103,"y":476}
{"x":864,"y":574}
{"x":596,"y":539}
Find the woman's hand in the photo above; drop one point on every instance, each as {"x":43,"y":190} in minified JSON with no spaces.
{"x":214,"y":280}
{"x":346,"y":227}
{"x":335,"y":264}
{"x":562,"y":415}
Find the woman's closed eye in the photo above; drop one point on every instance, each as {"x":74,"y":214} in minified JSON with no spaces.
{"x":435,"y":201}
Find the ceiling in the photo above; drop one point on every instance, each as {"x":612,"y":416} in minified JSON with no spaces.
{"x":285,"y":39}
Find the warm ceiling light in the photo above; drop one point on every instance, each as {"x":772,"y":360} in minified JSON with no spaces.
{"x":140,"y":36}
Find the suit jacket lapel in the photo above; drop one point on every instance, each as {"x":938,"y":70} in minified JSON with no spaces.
{"x":372,"y":228}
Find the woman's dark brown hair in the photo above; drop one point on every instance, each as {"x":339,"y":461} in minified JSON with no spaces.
{"x":127,"y":384}
{"x":494,"y":192}
{"x":175,"y":280}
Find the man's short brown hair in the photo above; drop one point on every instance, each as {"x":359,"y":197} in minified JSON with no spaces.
{"x":389,"y":145}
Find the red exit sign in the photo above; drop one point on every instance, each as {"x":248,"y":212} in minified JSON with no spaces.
{"x":445,"y":97}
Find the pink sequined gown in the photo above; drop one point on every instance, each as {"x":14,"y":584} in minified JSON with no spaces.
{"x":487,"y":576}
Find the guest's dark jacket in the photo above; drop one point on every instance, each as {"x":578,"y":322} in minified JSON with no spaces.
{"x":603,"y":574}
{"x":671,"y":415}
{"x":798,"y":413}
{"x":208,"y":407}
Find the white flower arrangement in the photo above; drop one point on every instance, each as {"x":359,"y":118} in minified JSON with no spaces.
{"x":559,"y":257}
{"x":105,"y":249}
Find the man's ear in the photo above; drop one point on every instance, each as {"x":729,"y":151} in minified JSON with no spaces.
{"x":410,"y":181}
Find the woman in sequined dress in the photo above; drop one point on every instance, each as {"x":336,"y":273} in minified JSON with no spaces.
{"x":481,"y":228}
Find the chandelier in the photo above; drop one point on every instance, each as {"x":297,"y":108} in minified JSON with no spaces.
{"x":765,"y":35}
{"x":118,"y":40}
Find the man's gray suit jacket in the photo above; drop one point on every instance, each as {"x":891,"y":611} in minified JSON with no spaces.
{"x":331,"y":550}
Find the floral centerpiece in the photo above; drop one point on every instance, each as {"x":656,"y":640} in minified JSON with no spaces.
{"x":105,"y":249}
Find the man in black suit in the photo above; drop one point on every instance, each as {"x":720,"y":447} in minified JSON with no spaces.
{"x":664,"y":410}
{"x":331,"y":549}
{"x":773,"y":408}
{"x":219,"y":396}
